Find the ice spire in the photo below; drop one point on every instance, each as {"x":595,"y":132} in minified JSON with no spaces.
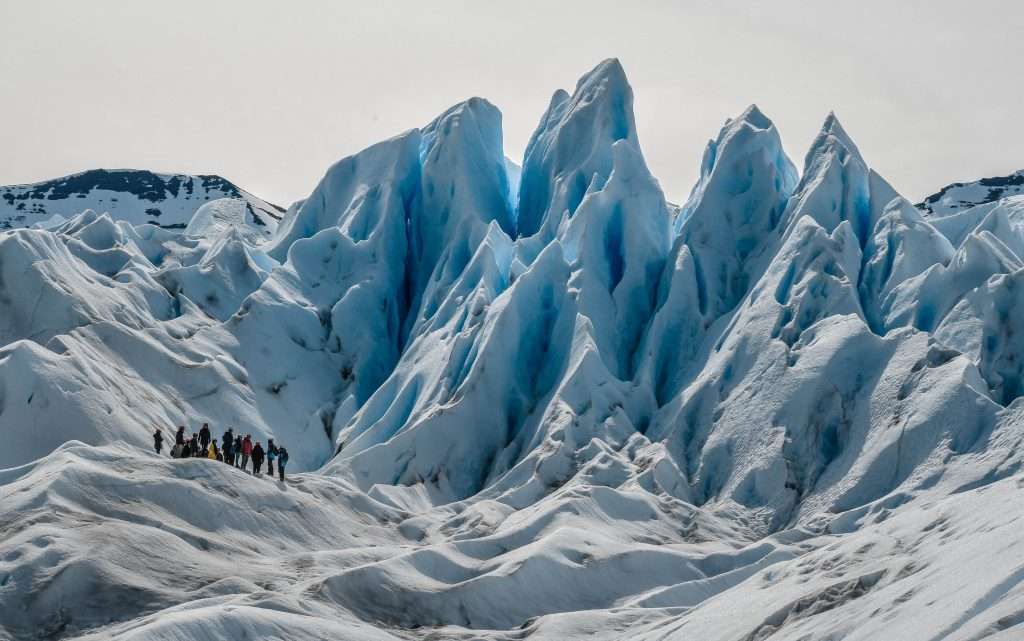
{"x":836,"y":184}
{"x":356,"y":194}
{"x":832,"y":135}
{"x":735,"y":208}
{"x":572,"y":147}
{"x":463,"y":187}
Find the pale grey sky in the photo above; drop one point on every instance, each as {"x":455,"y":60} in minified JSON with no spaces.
{"x":268,"y":94}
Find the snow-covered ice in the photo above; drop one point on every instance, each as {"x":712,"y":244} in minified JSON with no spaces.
{"x":528,"y":401}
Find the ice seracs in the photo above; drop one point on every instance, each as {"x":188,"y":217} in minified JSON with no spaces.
{"x":539,"y":404}
{"x":464,"y":187}
{"x":227,"y":273}
{"x":218,"y":215}
{"x":569,"y":153}
{"x":901,"y":246}
{"x":736,"y":208}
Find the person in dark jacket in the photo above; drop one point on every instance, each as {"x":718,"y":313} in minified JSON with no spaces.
{"x":228,"y":447}
{"x":204,"y":437}
{"x":282,"y":460}
{"x":271,"y":455}
{"x":158,"y":440}
{"x":257,"y":457}
{"x":237,"y":449}
{"x":180,"y":444}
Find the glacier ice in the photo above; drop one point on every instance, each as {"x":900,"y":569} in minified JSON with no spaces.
{"x":522,"y":401}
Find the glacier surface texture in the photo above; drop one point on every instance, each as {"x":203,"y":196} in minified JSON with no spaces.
{"x":523,"y":400}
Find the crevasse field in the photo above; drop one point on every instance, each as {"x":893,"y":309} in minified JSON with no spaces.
{"x":535,"y":403}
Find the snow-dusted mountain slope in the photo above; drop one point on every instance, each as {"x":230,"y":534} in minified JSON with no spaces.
{"x":525,"y":403}
{"x":135,"y":196}
{"x":958,"y":197}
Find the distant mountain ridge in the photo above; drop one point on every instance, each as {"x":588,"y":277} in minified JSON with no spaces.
{"x":958,"y":197}
{"x":133,"y":195}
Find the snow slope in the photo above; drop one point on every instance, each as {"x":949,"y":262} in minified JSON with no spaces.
{"x":135,"y":196}
{"x":957,"y":197}
{"x":538,"y":403}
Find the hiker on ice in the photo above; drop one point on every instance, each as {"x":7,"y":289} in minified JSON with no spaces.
{"x":178,"y":451}
{"x":257,"y":457}
{"x":237,"y":449}
{"x":229,"y":447}
{"x":271,"y":455}
{"x":282,"y":460}
{"x":204,"y":437}
{"x":212,"y":452}
{"x":158,"y":440}
{"x":246,"y":451}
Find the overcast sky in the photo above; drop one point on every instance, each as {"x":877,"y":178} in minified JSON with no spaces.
{"x":268,"y":94}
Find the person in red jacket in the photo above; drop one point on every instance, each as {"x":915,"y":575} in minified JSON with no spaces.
{"x":246,"y":450}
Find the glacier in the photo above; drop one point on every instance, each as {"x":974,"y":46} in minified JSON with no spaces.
{"x":522,"y":400}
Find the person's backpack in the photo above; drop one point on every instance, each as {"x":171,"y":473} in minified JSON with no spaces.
{"x":282,"y":454}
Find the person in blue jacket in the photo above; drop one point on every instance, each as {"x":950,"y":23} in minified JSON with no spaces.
{"x":282,"y":460}
{"x":271,"y":455}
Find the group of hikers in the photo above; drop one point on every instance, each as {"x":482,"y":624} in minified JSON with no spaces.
{"x":235,"y":450}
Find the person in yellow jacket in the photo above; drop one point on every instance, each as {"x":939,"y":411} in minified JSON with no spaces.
{"x":213,"y":452}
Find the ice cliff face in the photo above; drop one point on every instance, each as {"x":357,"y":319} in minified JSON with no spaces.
{"x":531,"y":405}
